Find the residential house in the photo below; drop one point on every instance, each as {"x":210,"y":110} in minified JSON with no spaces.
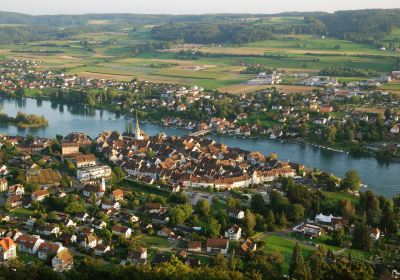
{"x":247,"y":247}
{"x":194,"y":246}
{"x":374,"y":233}
{"x":100,"y":225}
{"x":67,"y":238}
{"x":8,"y":249}
{"x":101,"y":249}
{"x":217,"y":245}
{"x":117,"y":195}
{"x":308,"y":230}
{"x":236,"y":213}
{"x":40,"y":195}
{"x":93,"y":173}
{"x":3,"y":184}
{"x":122,"y":231}
{"x":87,"y":241}
{"x":165,"y":232}
{"x":154,"y":208}
{"x":15,"y":201}
{"x":138,"y":256}
{"x":29,"y":243}
{"x":69,"y":149}
{"x":16,"y":190}
{"x":395,"y":129}
{"x":62,"y":261}
{"x":82,"y":217}
{"x":48,"y":230}
{"x":49,"y":249}
{"x":105,"y":205}
{"x":85,"y":160}
{"x":233,"y":233}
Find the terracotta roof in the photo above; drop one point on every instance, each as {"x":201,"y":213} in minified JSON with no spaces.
{"x":65,"y":256}
{"x":41,"y":193}
{"x":118,"y":228}
{"x":6,"y":243}
{"x":118,"y":192}
{"x":217,"y":243}
{"x":194,"y":244}
{"x":49,"y":247}
{"x":85,"y":158}
{"x":68,"y":145}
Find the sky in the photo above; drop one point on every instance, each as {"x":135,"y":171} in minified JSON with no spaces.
{"x":41,"y":7}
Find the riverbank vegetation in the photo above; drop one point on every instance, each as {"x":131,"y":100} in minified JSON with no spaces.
{"x":24,"y":120}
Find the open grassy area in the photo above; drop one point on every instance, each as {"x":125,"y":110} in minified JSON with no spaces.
{"x":22,"y":212}
{"x":339,"y":196}
{"x":154,"y":241}
{"x":108,"y":58}
{"x":283,"y":245}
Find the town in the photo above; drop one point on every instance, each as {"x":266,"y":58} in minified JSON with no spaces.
{"x":352,"y":117}
{"x":134,"y":198}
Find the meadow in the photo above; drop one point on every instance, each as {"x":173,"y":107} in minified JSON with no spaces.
{"x":109,"y":58}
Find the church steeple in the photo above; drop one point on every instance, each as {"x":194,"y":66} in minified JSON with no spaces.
{"x":138,"y":131}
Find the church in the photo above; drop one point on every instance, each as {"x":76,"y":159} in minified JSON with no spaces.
{"x":138,"y":134}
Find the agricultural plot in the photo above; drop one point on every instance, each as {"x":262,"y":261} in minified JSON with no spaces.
{"x":219,"y":70}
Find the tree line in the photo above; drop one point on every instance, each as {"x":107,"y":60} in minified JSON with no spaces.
{"x":212,"y":33}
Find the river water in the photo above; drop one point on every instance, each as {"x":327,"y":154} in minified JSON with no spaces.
{"x":383,"y":178}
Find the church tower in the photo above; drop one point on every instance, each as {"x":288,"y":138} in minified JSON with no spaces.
{"x":138,"y":131}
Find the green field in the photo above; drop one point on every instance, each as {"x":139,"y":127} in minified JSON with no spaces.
{"x":284,"y":246}
{"x":110,"y":57}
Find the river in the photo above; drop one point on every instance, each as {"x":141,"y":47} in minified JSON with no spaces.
{"x":381,"y":177}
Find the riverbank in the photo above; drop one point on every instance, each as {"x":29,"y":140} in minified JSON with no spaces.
{"x":355,"y":149}
{"x":381,"y":177}
{"x":24,"y":121}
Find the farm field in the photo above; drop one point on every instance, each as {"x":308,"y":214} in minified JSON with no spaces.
{"x":110,"y":58}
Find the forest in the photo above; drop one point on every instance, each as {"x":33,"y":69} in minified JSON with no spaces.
{"x":212,"y":33}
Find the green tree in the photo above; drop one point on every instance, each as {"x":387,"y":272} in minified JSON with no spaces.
{"x":214,"y":228}
{"x":298,"y":269}
{"x":338,"y":237}
{"x":318,"y":265}
{"x":270,"y":220}
{"x":361,"y":239}
{"x":351,"y":181}
{"x":250,"y":222}
{"x":203,"y":207}
{"x":258,"y":204}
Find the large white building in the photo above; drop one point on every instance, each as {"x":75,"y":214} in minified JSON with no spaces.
{"x":94,"y":173}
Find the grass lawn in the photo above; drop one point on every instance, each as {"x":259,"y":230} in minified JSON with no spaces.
{"x":283,"y":245}
{"x":154,"y":241}
{"x":26,"y":258}
{"x":218,"y":204}
{"x":22,"y":212}
{"x":339,"y":196}
{"x":324,"y":240}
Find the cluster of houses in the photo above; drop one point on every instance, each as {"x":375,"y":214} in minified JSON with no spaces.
{"x":189,"y":161}
{"x":20,"y":73}
{"x":13,"y":242}
{"x":328,"y":223}
{"x":182,"y":162}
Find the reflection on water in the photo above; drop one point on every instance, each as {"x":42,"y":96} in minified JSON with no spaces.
{"x":382,"y":177}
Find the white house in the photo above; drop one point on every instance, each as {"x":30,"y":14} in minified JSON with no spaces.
{"x":8,"y":249}
{"x":47,"y":249}
{"x":62,"y":261}
{"x":233,"y":233}
{"x":29,"y":243}
{"x":217,"y":245}
{"x":138,"y":256}
{"x":121,"y":230}
{"x":395,"y":129}
{"x":236,"y":213}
